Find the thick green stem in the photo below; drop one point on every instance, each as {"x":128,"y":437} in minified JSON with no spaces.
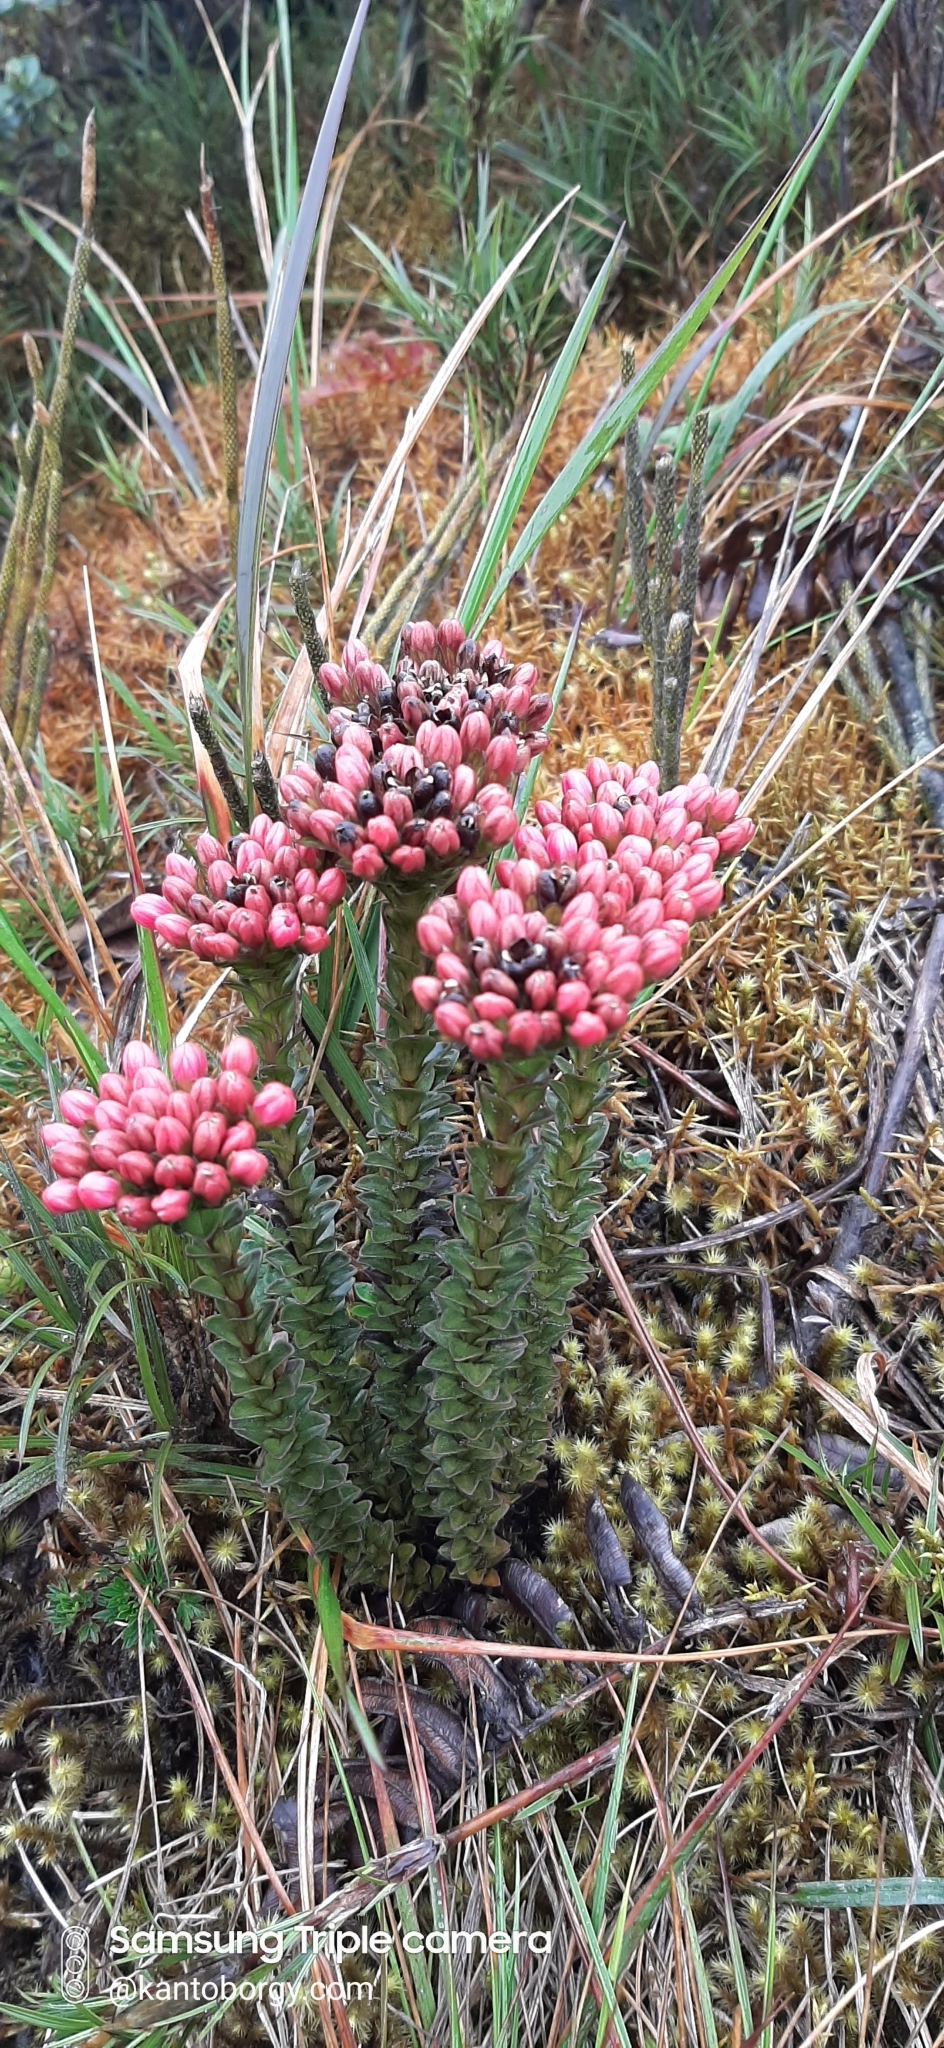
{"x":567,"y":1202}
{"x":273,"y":1397}
{"x":301,"y":1271}
{"x":478,"y":1335}
{"x":401,"y":1189}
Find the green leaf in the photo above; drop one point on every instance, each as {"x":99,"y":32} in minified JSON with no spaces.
{"x":859,"y":1894}
{"x":286,"y":295}
{"x":12,"y":945}
{"x":530,"y":448}
{"x":329,"y":1619}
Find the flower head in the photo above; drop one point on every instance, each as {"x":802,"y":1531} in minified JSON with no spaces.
{"x":597,"y":903}
{"x":421,"y":764}
{"x":265,"y":892}
{"x":150,"y":1144}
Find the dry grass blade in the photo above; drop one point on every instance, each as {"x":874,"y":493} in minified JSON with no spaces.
{"x":269,"y":387}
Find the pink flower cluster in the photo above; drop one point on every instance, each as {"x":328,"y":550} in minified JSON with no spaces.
{"x":148,"y":1145}
{"x":266,"y":890}
{"x":597,"y":903}
{"x":421,"y":764}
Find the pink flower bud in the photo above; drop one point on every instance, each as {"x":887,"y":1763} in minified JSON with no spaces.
{"x":500,"y":756}
{"x":677,"y":903}
{"x":450,"y":967}
{"x":284,"y":927}
{"x":314,"y":939}
{"x":203,"y":1093}
{"x":138,"y":1135}
{"x":234,"y":1093}
{"x":136,"y":1212}
{"x":333,"y":679}
{"x":208,"y":849}
{"x":239,"y":1138}
{"x":705,"y":897}
{"x":188,"y":1063}
{"x":561,"y":846}
{"x":442,"y":839}
{"x":208,"y":1134}
{"x":275,"y":1104}
{"x":70,"y":1159}
{"x":248,"y":1167}
{"x":221,"y":873}
{"x":525,"y":1033}
{"x":451,"y":635}
{"x":239,"y":1057}
{"x":248,"y":928}
{"x":99,"y":1190}
{"x":351,"y":770}
{"x":645,"y":917}
{"x":367,"y":862}
{"x":58,"y":1134}
{"x":607,"y":825}
{"x":625,"y":981}
{"x":611,"y":1011}
{"x":179,"y":896}
{"x":426,"y":991}
{"x":541,"y":989}
{"x":440,"y":745}
{"x":493,"y":1009}
{"x":146,"y":910}
{"x":138,"y":1167}
{"x":171,"y":1205}
{"x":452,"y":1020}
{"x":173,"y":928}
{"x":176,"y":1170}
{"x":484,"y":1041}
{"x":723,"y":807}
{"x":382,"y":833}
{"x":463,"y":786}
{"x":647,"y":884}
{"x":587,"y":1030}
{"x":736,"y":835}
{"x":433,"y":932}
{"x":62,"y":1198}
{"x":498,"y":827}
{"x":409,"y":860}
{"x":572,"y":997}
{"x":659,"y":955}
{"x":422,"y":639}
{"x":170,"y":1135}
{"x":211,"y":1183}
{"x":220,"y":947}
{"x":473,"y":885}
{"x":77,"y":1106}
{"x":474,"y":733}
{"x":332,"y":885}
{"x":484,"y":922}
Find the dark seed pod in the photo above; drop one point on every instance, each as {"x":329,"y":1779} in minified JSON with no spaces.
{"x":323,"y":763}
{"x":440,"y":1731}
{"x":652,"y":1534}
{"x":345,"y":833}
{"x":368,"y":806}
{"x":613,"y":1570}
{"x":471,"y":1607}
{"x":423,"y":792}
{"x":440,"y":806}
{"x":606,"y":1549}
{"x":534,"y":1596}
{"x":467,"y":826}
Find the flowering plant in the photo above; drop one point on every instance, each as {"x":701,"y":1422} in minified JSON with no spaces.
{"x":404,"y":1395}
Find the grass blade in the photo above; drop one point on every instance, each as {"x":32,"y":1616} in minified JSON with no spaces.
{"x":270,"y":382}
{"x":528,"y":454}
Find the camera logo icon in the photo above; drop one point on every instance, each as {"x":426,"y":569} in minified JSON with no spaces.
{"x":75,"y":1971}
